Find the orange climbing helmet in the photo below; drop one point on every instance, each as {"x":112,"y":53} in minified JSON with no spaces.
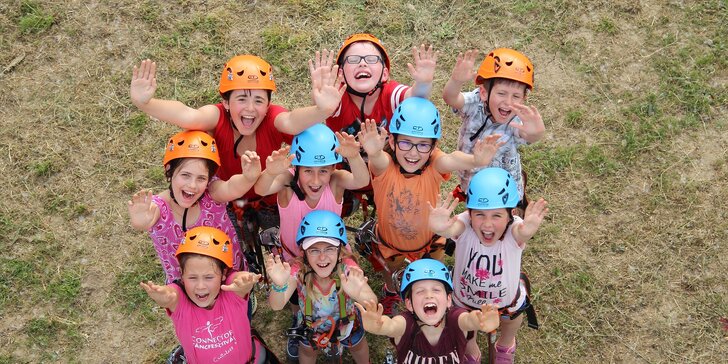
{"x":506,"y":63}
{"x":208,"y":241}
{"x":191,"y":144}
{"x":247,"y":72}
{"x":362,"y":37}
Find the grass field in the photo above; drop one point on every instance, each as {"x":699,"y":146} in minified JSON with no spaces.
{"x":628,"y":268}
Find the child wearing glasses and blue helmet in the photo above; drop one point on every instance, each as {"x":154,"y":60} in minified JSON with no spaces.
{"x":327,"y":281}
{"x":432,"y":330}
{"x":489,"y":243}
{"x":407,"y":180}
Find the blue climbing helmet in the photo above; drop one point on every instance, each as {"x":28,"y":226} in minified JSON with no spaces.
{"x":416,"y":117}
{"x":315,"y":147}
{"x":492,"y":188}
{"x":423,"y":269}
{"x":321,"y":224}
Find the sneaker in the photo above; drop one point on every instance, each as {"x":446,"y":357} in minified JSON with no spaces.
{"x":504,"y":355}
{"x":389,"y":303}
{"x":292,"y":345}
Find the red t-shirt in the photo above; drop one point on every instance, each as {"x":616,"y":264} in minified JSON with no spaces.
{"x":267,"y":139}
{"x":349,"y":112}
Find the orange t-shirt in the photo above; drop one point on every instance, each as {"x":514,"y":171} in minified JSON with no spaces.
{"x":402,"y":208}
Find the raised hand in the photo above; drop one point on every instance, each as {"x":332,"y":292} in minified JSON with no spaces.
{"x":531,"y":118}
{"x":348,"y":146}
{"x":354,"y":281}
{"x":371,"y":138}
{"x":535,"y":213}
{"x":441,"y":217}
{"x":464,"y":71}
{"x":142,"y":210}
{"x":327,"y":86}
{"x":162,"y":295}
{"x":488,"y":318}
{"x":250,"y":163}
{"x":371,"y":315}
{"x":278,"y":271}
{"x":143,"y":82}
{"x":279,"y":161}
{"x":242,"y":283}
{"x":485,"y":149}
{"x":423,"y":71}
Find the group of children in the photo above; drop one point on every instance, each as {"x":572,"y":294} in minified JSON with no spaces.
{"x":246,"y":164}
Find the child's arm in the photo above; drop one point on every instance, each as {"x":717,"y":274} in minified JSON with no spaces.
{"x":532,"y":129}
{"x":349,"y":148}
{"x":239,"y":184}
{"x":377,"y":324}
{"x":282,"y":284}
{"x":535,"y":213}
{"x":241,"y":284}
{"x":143,"y":86}
{"x":441,"y":220}
{"x":354,"y":283}
{"x":373,"y":139}
{"x":275,"y":177}
{"x":327,"y":88}
{"x":143,"y":212}
{"x":461,"y":73}
{"x":486,"y":319}
{"x":423,"y":71}
{"x":164,"y":296}
{"x":483,"y":152}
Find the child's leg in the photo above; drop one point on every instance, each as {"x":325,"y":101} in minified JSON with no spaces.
{"x":360,"y":351}
{"x":472,"y":350}
{"x":508,"y":329}
{"x":306,"y":354}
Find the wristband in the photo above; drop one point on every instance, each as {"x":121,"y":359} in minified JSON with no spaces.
{"x":278,"y":288}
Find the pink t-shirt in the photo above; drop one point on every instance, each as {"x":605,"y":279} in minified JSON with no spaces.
{"x":485,"y":274}
{"x":219,"y":335}
{"x":167,"y":234}
{"x":292,"y":215}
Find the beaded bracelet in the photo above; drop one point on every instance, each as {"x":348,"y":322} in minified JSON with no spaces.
{"x":278,"y":288}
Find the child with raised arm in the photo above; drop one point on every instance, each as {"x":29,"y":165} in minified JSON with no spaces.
{"x":496,"y":106}
{"x":489,"y":243}
{"x":327,"y":281}
{"x":207,"y":305}
{"x":244,"y":120}
{"x":407,"y":180}
{"x":195,"y":197}
{"x":431,"y":330}
{"x":314,"y":183}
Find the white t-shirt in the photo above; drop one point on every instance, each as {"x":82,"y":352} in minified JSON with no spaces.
{"x":485,"y":274}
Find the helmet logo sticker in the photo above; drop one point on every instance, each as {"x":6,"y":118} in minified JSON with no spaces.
{"x":322,"y":230}
{"x":429,"y":273}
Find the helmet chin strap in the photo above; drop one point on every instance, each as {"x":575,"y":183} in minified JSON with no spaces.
{"x":184,"y":213}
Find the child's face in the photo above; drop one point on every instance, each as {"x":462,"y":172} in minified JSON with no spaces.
{"x":429,"y":300}
{"x":362,"y":76}
{"x":202,"y":278}
{"x":247,"y":109}
{"x":413,"y":159}
{"x":323,"y":258}
{"x":189,"y":181}
{"x":489,"y":225}
{"x":502,"y":97}
{"x":313,"y":180}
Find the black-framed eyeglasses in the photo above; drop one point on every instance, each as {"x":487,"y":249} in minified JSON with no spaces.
{"x":406,"y":146}
{"x":369,"y":59}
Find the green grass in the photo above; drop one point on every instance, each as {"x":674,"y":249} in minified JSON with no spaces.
{"x":33,"y":19}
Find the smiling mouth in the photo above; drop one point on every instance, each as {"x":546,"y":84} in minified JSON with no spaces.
{"x":315,"y":189}
{"x":504,"y":113}
{"x":202,"y":297}
{"x":430,"y":309}
{"x":248,"y":121}
{"x":361,"y":75}
{"x":187,"y":195}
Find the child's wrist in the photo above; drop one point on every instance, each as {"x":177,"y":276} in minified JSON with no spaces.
{"x":279,"y":289}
